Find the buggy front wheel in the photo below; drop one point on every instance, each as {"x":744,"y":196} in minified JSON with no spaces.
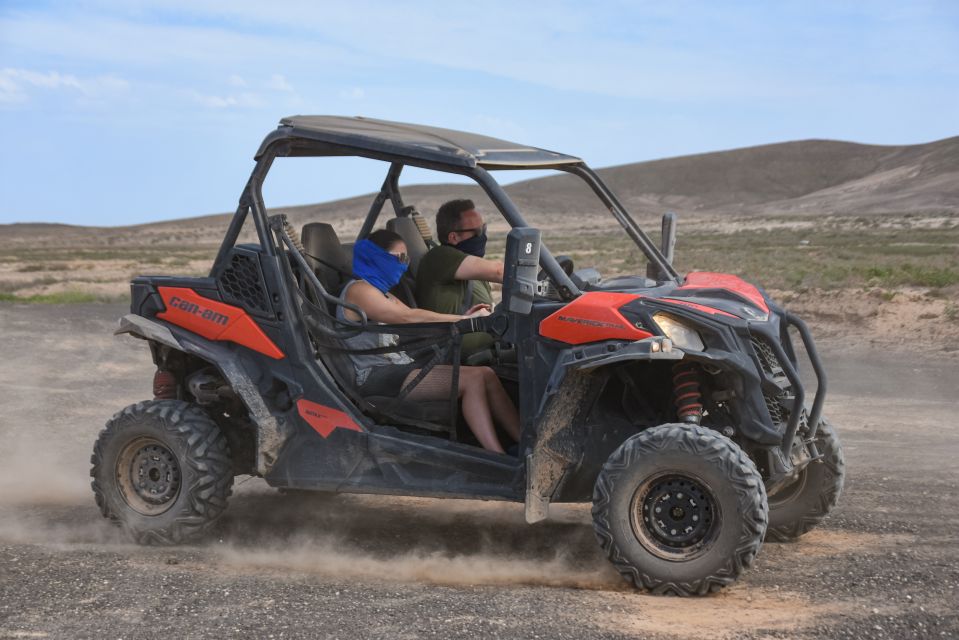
{"x":680,"y":509}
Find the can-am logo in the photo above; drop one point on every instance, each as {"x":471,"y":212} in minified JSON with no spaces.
{"x":197,"y":310}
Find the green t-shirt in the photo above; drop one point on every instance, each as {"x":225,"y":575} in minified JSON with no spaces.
{"x":437,"y":289}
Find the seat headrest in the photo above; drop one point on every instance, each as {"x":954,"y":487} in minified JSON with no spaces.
{"x":326,"y":255}
{"x":415,"y":245}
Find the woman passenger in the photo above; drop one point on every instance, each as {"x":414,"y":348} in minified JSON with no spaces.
{"x":379,"y":262}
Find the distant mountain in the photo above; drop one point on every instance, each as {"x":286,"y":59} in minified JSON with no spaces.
{"x":807,"y":177}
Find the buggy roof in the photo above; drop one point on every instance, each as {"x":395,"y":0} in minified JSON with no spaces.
{"x":340,"y":135}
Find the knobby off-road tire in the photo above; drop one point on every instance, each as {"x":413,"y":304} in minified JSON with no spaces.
{"x":688,"y":471}
{"x":799,"y":507}
{"x":162,"y":471}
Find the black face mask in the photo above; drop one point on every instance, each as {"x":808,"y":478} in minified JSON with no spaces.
{"x":475,"y":246}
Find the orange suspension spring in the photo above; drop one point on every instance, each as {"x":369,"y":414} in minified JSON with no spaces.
{"x":687,"y":392}
{"x":164,"y":385}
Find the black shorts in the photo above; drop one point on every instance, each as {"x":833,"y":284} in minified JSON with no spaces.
{"x":387,"y":380}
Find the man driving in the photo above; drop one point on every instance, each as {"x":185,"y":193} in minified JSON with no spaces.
{"x":453,"y":277}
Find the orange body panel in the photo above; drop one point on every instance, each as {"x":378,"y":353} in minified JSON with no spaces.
{"x":707,"y":280}
{"x":323,"y":419}
{"x":697,"y":306}
{"x":214,"y":320}
{"x":592,"y":317}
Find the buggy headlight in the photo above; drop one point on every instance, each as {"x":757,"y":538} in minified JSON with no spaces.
{"x":682,"y":335}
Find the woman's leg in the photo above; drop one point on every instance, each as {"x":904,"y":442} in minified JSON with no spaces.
{"x":501,"y":405}
{"x":476,"y":409}
{"x":473,"y":395}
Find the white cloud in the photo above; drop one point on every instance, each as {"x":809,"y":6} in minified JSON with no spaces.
{"x":236,"y":81}
{"x":569,"y":53}
{"x":677,"y":52}
{"x":241,"y":100}
{"x":48,"y":80}
{"x":279,"y":83}
{"x":10,"y":91}
{"x":16,"y":84}
{"x":691,"y":50}
{"x":99,"y":38}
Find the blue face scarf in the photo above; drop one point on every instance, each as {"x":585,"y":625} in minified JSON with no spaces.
{"x":475,"y":246}
{"x":376,"y":265}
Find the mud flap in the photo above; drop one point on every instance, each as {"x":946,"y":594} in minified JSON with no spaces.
{"x":558,"y":446}
{"x":271,"y":432}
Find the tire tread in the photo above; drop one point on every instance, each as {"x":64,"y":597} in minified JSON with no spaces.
{"x":713,"y":448}
{"x":207,"y":454}
{"x":832,"y":457}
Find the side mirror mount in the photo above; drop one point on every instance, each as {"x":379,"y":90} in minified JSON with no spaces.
{"x":520,"y":268}
{"x":667,"y":246}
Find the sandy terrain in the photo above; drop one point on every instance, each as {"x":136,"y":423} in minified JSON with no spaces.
{"x":886,"y":564}
{"x":873,"y":279}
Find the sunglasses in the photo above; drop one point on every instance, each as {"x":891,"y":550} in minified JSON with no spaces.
{"x":476,"y":232}
{"x":402,"y":258}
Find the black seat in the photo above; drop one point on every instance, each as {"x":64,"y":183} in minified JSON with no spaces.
{"x":326,"y":256}
{"x":416,"y":247}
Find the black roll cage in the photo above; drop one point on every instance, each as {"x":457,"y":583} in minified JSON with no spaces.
{"x":252,"y":200}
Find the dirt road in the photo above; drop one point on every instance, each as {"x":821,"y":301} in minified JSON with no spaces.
{"x":885,"y":565}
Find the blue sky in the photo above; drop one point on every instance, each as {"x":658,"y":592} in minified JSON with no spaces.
{"x":120,"y":112}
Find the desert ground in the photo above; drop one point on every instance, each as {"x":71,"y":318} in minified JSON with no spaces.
{"x":885,"y":564}
{"x":863,"y":241}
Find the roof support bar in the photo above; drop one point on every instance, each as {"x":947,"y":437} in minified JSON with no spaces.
{"x":567,"y":289}
{"x":389,"y":191}
{"x":622,"y":216}
{"x":251,"y":201}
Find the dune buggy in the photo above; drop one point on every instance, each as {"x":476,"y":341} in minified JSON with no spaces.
{"x":672,"y":403}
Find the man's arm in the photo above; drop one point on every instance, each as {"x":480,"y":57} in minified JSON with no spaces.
{"x":473,"y":268}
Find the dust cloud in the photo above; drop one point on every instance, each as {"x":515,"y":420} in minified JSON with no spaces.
{"x":39,"y":472}
{"x":45,"y":495}
{"x":45,"y":499}
{"x":385,"y":538}
{"x":326,"y":557}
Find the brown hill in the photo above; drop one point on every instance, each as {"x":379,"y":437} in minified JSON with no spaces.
{"x":807,"y":177}
{"x":815,"y":176}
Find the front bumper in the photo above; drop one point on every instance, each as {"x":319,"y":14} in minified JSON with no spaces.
{"x":767,"y":394}
{"x":789,"y":365}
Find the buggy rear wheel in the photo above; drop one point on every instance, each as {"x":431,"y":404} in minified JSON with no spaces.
{"x":679,"y":509}
{"x":161,"y":470}
{"x":800,"y":506}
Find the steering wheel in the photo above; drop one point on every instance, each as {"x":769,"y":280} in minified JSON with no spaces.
{"x":565,"y":262}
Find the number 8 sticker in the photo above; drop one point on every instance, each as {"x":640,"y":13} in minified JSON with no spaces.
{"x":529,"y":247}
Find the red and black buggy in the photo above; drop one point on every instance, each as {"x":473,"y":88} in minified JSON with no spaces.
{"x":672,"y":403}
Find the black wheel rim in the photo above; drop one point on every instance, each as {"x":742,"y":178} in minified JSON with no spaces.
{"x":675,"y":516}
{"x":148,"y":476}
